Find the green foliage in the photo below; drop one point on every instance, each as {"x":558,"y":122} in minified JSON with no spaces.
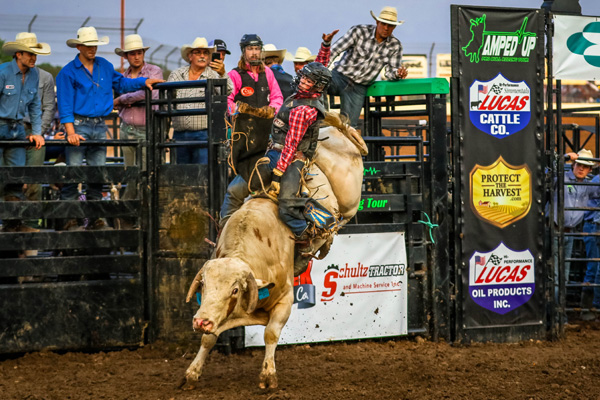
{"x":3,"y":57}
{"x":53,"y":69}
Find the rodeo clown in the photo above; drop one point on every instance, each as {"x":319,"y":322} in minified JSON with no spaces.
{"x":294,"y":136}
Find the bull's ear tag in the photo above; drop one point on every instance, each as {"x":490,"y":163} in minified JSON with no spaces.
{"x":199,"y":298}
{"x":263,"y":293}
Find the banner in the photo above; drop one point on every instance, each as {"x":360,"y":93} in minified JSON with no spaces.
{"x":416,"y":64}
{"x":443,"y":62}
{"x":498,"y":60}
{"x":576,"y":47}
{"x":361,"y":292}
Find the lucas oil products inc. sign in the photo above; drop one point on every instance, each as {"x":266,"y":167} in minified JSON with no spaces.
{"x":498,"y":70}
{"x":501,"y":280}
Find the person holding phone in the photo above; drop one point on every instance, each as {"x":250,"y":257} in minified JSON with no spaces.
{"x":203,"y":64}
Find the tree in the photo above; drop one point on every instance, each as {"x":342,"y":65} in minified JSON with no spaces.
{"x":4,"y":57}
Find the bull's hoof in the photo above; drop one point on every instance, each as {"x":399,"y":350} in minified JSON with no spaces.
{"x":268,"y":381}
{"x":186,"y":383}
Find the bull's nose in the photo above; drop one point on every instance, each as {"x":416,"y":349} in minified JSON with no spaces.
{"x":203,"y":325}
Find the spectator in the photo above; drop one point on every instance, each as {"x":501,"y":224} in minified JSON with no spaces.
{"x":302,"y":57}
{"x":590,"y":297}
{"x":273,"y":58}
{"x":19,"y":97}
{"x":85,"y":96}
{"x":35,"y":156}
{"x":574,"y":196}
{"x":255,"y":85}
{"x":131,"y":106}
{"x":195,"y":127}
{"x":367,"y":50}
{"x":221,"y":47}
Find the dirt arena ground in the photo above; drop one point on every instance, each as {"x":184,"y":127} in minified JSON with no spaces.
{"x":403,"y":369}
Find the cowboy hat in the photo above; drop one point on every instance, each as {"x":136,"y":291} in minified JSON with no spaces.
{"x":26,"y":41}
{"x":269,"y":50}
{"x":585,"y":153}
{"x":87,"y":36}
{"x":199,"y":43}
{"x":132,"y":43}
{"x":303,"y":55}
{"x":388,"y":15}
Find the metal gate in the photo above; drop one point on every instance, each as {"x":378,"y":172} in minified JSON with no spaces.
{"x":406,"y":189}
{"x":83,"y":289}
{"x":184,"y":201}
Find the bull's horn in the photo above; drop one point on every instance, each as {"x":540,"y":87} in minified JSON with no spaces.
{"x":195,"y":283}
{"x":252,"y":290}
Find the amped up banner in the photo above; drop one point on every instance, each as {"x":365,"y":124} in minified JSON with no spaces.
{"x":497,"y":66}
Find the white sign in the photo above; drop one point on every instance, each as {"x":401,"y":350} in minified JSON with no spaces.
{"x":576,"y":47}
{"x":360,"y":292}
{"x":443,"y":62}
{"x":416,"y":64}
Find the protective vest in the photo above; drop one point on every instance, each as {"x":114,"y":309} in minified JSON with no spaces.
{"x":281,"y":125}
{"x":254,"y":93}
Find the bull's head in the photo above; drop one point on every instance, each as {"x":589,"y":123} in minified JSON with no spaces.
{"x":227,"y":288}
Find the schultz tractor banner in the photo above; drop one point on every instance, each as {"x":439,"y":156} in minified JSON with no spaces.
{"x":359,"y":290}
{"x":498,"y":59}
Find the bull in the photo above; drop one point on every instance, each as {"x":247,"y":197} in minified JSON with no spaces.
{"x":250,"y":279}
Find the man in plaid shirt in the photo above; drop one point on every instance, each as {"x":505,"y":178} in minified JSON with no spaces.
{"x":367,"y":50}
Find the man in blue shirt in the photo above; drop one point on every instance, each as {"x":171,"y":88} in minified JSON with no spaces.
{"x":85,"y":96}
{"x":19,"y":82}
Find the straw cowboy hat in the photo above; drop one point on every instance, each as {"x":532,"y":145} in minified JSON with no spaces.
{"x":586,"y":154}
{"x":303,"y":55}
{"x":269,"y":50}
{"x":87,"y":36}
{"x":199,"y":43}
{"x":26,"y":41}
{"x":132,"y":43}
{"x":388,"y":15}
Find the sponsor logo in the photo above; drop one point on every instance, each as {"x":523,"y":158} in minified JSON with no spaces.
{"x":304,"y":290}
{"x":501,"y":280}
{"x":500,"y":193}
{"x":9,"y":86}
{"x":581,"y":43}
{"x":370,"y":203}
{"x":361,"y":279}
{"x":489,"y":43}
{"x":278,"y":123}
{"x":246,"y":91}
{"x":499,"y":107}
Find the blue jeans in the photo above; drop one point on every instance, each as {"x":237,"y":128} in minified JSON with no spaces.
{"x":592,"y":273}
{"x":132,"y":132}
{"x":90,"y":129}
{"x":12,"y":156}
{"x":352,"y":96}
{"x":237,"y":191}
{"x":191,"y":155}
{"x":568,"y":244}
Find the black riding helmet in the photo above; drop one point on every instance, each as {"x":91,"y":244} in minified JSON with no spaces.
{"x":317,"y":73}
{"x":250,"y":39}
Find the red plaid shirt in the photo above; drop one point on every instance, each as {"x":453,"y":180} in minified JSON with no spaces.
{"x":300,"y":119}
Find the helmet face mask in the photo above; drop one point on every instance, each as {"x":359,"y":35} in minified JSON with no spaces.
{"x":317,"y":73}
{"x":251,"y":39}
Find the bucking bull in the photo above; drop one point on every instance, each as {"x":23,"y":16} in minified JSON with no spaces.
{"x":250,"y":279}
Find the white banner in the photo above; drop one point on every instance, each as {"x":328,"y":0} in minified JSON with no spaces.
{"x":443,"y":62}
{"x":359,"y":292}
{"x":416,"y":64}
{"x":576,"y":47}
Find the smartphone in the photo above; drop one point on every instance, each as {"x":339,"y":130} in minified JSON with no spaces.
{"x":215,"y":56}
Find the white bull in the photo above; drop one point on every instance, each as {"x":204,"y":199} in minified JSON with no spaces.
{"x":256,"y":251}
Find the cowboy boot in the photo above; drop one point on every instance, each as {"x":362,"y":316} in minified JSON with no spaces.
{"x":587,"y":297}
